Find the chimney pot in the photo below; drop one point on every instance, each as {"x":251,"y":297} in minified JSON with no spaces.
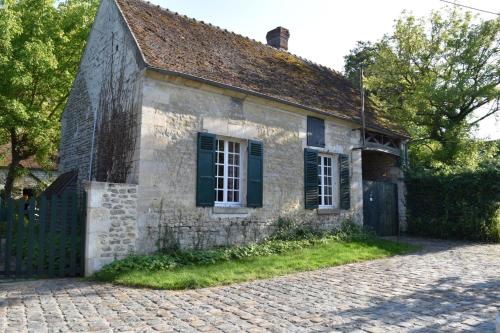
{"x":278,"y":38}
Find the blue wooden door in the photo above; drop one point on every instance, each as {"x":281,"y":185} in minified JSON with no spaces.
{"x":380,"y":210}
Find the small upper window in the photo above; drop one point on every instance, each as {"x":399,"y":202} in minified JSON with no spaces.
{"x":228,"y":173}
{"x":315,"y":132}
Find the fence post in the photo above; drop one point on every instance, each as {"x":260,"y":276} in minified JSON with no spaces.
{"x":62,"y":234}
{"x":42,"y":221}
{"x":53,"y":219}
{"x":8,"y":238}
{"x":31,"y":236}
{"x":73,"y":225}
{"x":2,"y":221}
{"x":19,"y":237}
{"x":83,"y":232}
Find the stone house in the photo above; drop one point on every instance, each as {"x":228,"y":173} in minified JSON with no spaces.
{"x":34,"y":177}
{"x":215,"y":136}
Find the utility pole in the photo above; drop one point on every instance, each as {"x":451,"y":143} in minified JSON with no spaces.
{"x":363,"y":125}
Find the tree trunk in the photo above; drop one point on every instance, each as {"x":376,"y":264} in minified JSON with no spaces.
{"x":11,"y":176}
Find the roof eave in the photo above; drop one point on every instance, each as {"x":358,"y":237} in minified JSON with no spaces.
{"x":244,"y":91}
{"x":265,"y":96}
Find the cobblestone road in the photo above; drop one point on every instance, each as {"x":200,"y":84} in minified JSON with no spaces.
{"x":448,"y":287}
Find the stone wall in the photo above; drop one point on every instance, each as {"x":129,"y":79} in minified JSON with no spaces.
{"x":109,"y":43}
{"x":173,"y":113}
{"x":111,"y":227}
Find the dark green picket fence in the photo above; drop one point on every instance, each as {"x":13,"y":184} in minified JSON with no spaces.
{"x":42,"y":237}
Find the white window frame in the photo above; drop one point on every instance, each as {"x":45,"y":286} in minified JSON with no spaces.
{"x":224,"y":202}
{"x":321,"y":182}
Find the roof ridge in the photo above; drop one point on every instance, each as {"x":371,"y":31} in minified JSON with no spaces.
{"x":224,"y":30}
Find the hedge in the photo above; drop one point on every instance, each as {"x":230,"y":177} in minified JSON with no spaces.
{"x":457,"y":206}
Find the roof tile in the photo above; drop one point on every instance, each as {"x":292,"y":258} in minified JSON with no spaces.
{"x":180,"y":44}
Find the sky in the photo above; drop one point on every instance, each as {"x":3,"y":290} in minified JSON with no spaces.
{"x":323,"y":31}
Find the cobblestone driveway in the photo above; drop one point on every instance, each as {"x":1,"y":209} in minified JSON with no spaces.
{"x":447,"y":287}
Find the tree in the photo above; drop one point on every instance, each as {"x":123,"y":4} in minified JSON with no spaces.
{"x":363,"y":55}
{"x":40,"y":50}
{"x":431,"y":75}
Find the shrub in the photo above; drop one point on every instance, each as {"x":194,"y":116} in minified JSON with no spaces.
{"x":350,"y":231}
{"x":288,"y":229}
{"x":455,"y":206}
{"x":136,"y":262}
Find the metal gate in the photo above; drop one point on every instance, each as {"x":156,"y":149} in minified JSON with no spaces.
{"x":380,"y":207}
{"x":42,"y":237}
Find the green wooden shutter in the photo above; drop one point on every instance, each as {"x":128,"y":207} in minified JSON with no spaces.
{"x":311,"y":178}
{"x":205,"y":170}
{"x":345,"y":187}
{"x":255,"y":171}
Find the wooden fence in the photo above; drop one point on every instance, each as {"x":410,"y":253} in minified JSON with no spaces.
{"x":42,"y":237}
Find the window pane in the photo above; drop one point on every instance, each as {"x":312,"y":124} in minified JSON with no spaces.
{"x":315,"y":132}
{"x":220,"y":145}
{"x":228,"y":172}
{"x":325,"y":180}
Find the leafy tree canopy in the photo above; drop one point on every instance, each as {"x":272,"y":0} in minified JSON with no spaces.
{"x":430,"y":75}
{"x":40,"y":49}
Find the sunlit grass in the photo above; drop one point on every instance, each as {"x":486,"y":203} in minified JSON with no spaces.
{"x":331,"y":253}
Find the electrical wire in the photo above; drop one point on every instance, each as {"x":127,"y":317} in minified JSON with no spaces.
{"x":473,"y":8}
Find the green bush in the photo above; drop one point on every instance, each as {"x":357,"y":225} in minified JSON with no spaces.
{"x":288,"y":229}
{"x":287,"y":237}
{"x":455,"y":206}
{"x":134,"y":262}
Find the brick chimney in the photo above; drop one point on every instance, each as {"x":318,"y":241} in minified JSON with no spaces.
{"x":278,"y":38}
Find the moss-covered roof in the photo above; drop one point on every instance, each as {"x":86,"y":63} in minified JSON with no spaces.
{"x":177,"y":43}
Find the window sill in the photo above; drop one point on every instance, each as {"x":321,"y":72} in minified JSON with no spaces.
{"x":328,"y":211}
{"x":229,"y":210}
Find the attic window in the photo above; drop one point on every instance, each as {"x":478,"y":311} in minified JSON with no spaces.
{"x":315,"y":132}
